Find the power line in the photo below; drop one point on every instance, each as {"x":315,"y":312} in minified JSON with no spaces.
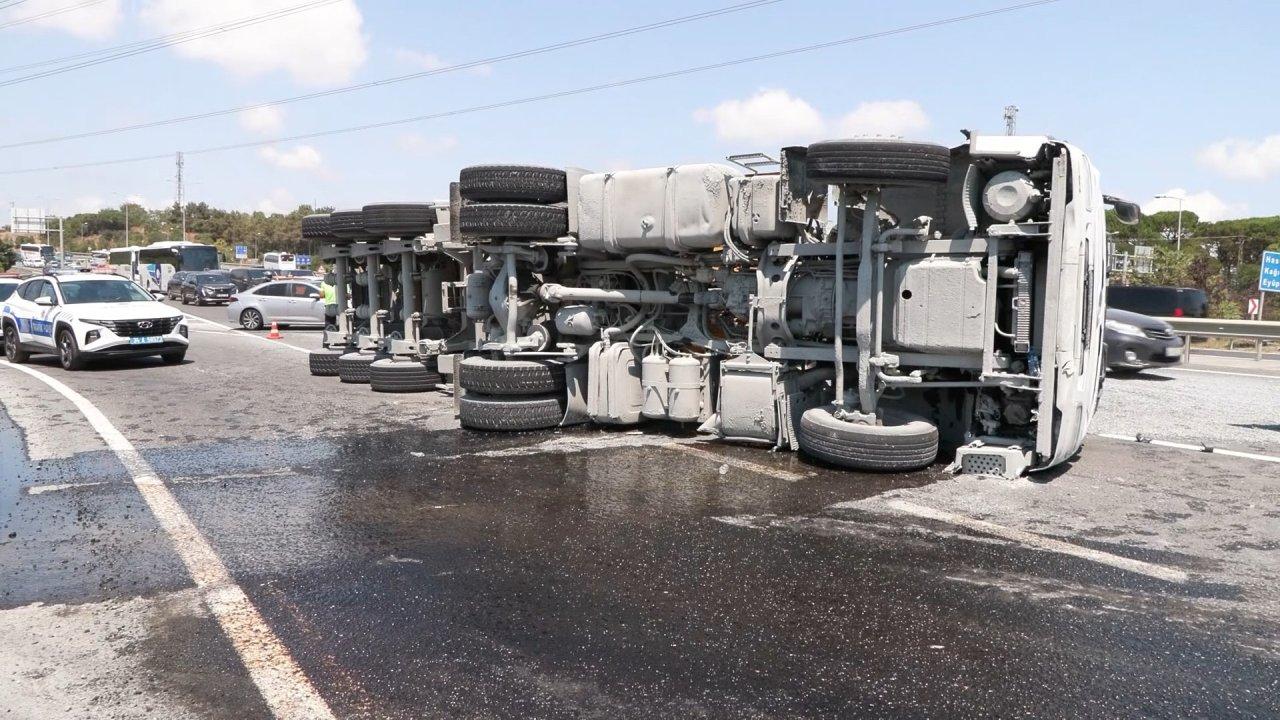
{"x":402,"y":78}
{"x":565,"y":93}
{"x":98,"y":57}
{"x":50,"y":13}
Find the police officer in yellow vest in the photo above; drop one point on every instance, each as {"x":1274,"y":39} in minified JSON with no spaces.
{"x":330,"y":299}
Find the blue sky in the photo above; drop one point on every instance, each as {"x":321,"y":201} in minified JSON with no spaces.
{"x":1165,"y":97}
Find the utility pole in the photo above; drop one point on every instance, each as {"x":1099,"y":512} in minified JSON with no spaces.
{"x":1010,"y":119}
{"x":182,"y":201}
{"x":126,"y":222}
{"x":1180,"y":200}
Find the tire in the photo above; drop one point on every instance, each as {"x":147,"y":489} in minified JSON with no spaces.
{"x":251,"y":319}
{"x":908,"y":442}
{"x":174,"y":358}
{"x":513,"y":220}
{"x":324,"y":363}
{"x":316,"y":227}
{"x":12,"y":352}
{"x":69,"y":351}
{"x":347,"y":224}
{"x":400,"y":219}
{"x":184,"y":299}
{"x":512,"y":183}
{"x":510,"y":377}
{"x":485,"y":412}
{"x":878,"y":162}
{"x":354,"y":367}
{"x":402,"y":376}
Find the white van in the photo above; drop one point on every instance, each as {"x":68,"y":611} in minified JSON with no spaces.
{"x":279,"y":261}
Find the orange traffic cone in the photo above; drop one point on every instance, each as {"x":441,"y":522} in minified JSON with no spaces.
{"x":275,"y":332}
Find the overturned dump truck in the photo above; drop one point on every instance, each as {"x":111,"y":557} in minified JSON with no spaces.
{"x":863,"y":301}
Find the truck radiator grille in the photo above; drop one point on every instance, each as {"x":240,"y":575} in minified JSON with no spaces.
{"x":131,"y":328}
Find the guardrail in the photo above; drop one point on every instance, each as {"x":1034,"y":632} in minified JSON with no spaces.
{"x":1259,"y":331}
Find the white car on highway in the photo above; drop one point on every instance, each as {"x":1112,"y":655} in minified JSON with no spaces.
{"x":88,"y":317}
{"x":286,"y":302}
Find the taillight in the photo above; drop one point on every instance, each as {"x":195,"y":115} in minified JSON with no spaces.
{"x":1177,"y":312}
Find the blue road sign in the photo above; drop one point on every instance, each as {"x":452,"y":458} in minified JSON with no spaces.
{"x":1269,"y":278}
{"x":304,"y":261}
{"x":242,"y":252}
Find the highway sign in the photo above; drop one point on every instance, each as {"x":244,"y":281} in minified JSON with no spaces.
{"x":304,"y":261}
{"x":1269,"y":278}
{"x":242,"y":252}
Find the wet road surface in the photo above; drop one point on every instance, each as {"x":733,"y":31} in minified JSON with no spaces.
{"x":413,"y":569}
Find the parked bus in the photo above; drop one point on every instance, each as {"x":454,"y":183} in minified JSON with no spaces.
{"x":35,"y":255}
{"x":151,"y":266}
{"x":279,"y":261}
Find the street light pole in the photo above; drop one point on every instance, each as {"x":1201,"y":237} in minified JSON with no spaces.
{"x":1180,"y":200}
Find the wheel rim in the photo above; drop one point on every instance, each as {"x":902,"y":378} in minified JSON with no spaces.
{"x":252,"y":320}
{"x":64,"y":350}
{"x":10,"y":344}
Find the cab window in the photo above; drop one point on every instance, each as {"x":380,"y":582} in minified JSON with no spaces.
{"x":302,"y":291}
{"x":273,"y":290}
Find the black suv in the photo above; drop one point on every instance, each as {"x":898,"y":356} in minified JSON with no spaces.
{"x":174,"y":289}
{"x":245,"y":278}
{"x":204,"y":288}
{"x":1159,"y":300}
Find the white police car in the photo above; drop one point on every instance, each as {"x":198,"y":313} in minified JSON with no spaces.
{"x":87,"y":317}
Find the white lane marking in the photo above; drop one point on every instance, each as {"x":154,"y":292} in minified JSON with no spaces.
{"x":740,"y":463}
{"x":283,"y":685}
{"x":1194,"y":448}
{"x":1040,"y":542}
{"x":56,"y":487}
{"x":1220,"y":372}
{"x":238,"y":331}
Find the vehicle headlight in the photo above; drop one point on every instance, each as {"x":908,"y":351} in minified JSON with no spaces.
{"x":183,"y":330}
{"x":1124,"y":328}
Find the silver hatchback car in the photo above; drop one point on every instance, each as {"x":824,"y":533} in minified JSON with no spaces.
{"x":286,"y":302}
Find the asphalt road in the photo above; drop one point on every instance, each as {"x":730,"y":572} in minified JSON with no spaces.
{"x":329,"y":545}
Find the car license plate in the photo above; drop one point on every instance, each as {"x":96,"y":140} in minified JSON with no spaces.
{"x":1173,"y":352}
{"x":146,"y":340}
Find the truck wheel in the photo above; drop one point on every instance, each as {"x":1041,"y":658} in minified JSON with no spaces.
{"x":878,"y":162}
{"x":510,"y":377}
{"x":403,"y":376}
{"x":513,"y":220}
{"x":484,"y":412}
{"x":354,"y":367}
{"x":400,"y":219}
{"x":316,"y":227}
{"x":324,"y":363}
{"x":12,"y":351}
{"x":905,"y":442}
{"x":348,"y":224}
{"x":69,"y":351}
{"x":512,"y":183}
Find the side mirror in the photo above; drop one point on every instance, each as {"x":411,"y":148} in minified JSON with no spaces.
{"x":1126,"y":212}
{"x":44,"y":301}
{"x":314,"y":296}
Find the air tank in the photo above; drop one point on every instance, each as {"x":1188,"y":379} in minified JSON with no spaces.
{"x":684,"y":378}
{"x":653,"y":379}
{"x":478,"y":296}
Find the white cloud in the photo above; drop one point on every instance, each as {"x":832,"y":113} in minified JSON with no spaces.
{"x":903,"y":118}
{"x":426,"y":61}
{"x":264,"y":120}
{"x":91,"y":22}
{"x":1207,"y":206}
{"x":1244,"y":159}
{"x":767,"y":116}
{"x":300,"y":157}
{"x":320,"y":46}
{"x":89,"y":203}
{"x":418,"y":144}
{"x":279,"y":200}
{"x":776,"y":116}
